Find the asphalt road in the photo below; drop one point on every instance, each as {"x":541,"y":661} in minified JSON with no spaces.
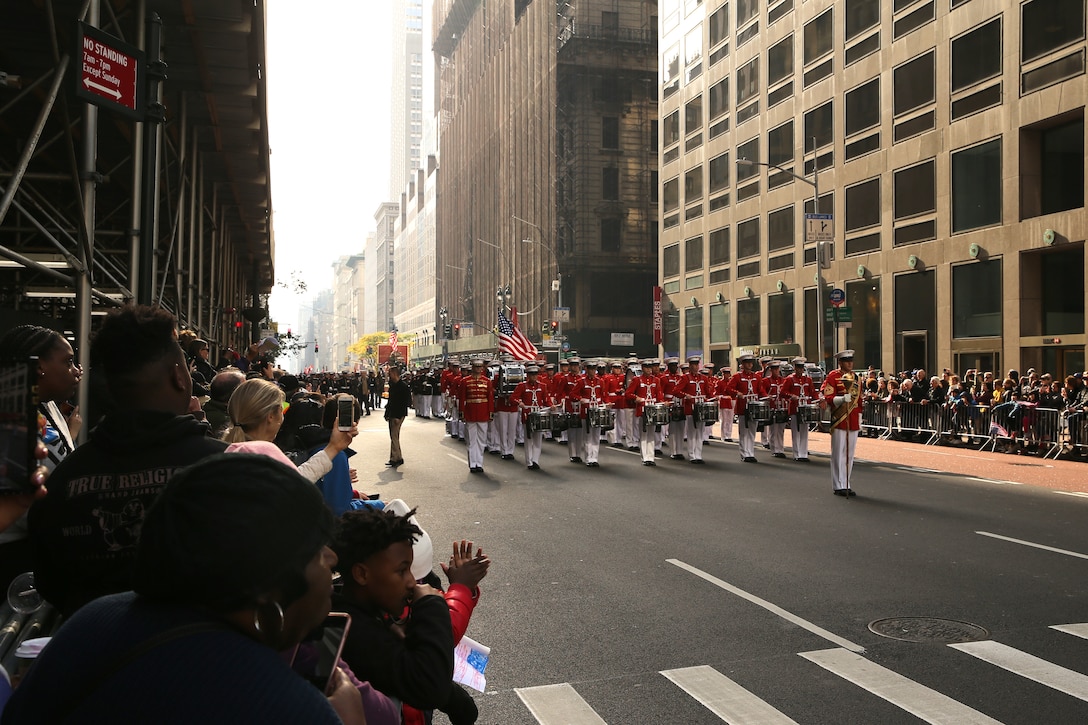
{"x":626,"y":594}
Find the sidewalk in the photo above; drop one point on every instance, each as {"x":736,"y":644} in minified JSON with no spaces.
{"x":1030,"y":470}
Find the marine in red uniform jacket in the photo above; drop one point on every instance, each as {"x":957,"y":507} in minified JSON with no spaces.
{"x":848,"y":415}
{"x":476,"y":398}
{"x":741,"y":385}
{"x":531,"y":395}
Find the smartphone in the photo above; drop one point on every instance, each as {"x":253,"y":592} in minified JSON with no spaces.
{"x":345,"y":413}
{"x":328,"y":641}
{"x":18,"y":423}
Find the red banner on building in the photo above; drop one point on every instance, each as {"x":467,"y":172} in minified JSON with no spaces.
{"x":657,"y":316}
{"x":400,"y":357}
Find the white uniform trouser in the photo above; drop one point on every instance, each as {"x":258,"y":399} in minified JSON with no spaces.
{"x":776,"y":434}
{"x":519,"y":430}
{"x":477,"y":436}
{"x":625,"y":423}
{"x":646,"y":441}
{"x":576,"y":436}
{"x":493,"y":436}
{"x":533,"y":443}
{"x":507,"y":423}
{"x":726,"y":415}
{"x":436,"y":405}
{"x":677,"y":432}
{"x":746,"y":428}
{"x":843,"y":444}
{"x":659,"y":436}
{"x":799,"y":436}
{"x":695,"y":433}
{"x":425,"y":405}
{"x":593,"y":444}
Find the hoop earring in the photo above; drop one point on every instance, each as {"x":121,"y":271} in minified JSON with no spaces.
{"x":257,"y":619}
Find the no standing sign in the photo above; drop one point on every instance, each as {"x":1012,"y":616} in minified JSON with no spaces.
{"x":110,"y":72}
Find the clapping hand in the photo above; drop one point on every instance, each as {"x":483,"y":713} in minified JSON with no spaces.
{"x":464,"y":568}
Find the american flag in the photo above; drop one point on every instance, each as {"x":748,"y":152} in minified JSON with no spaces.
{"x":393,"y":340}
{"x":514,"y":342}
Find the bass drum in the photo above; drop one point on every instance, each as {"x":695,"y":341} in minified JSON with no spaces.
{"x":601,"y":417}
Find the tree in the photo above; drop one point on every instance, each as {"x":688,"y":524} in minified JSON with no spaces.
{"x":366,"y":347}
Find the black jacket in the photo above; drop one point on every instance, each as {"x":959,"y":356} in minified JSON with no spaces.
{"x":400,"y":398}
{"x":84,"y":531}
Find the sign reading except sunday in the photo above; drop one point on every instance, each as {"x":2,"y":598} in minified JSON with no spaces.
{"x":111,"y":72}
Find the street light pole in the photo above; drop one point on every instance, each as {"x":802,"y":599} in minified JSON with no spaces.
{"x":558,"y":273}
{"x":814,"y":182}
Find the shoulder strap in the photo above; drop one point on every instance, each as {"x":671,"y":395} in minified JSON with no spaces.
{"x":128,"y":657}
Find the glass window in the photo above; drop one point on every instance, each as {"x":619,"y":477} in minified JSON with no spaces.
{"x":610,"y":234}
{"x":748,"y":81}
{"x":719,"y":98}
{"x":913,"y":83}
{"x":976,"y":56}
{"x":976,"y":299}
{"x":860,"y":16}
{"x":748,"y":238}
{"x":693,"y":46}
{"x":670,"y":194}
{"x":748,"y":322}
{"x":719,"y":25}
{"x":610,"y":20}
{"x":670,"y":260}
{"x":610,"y":183}
{"x":748,"y":150}
{"x":610,"y":132}
{"x":746,"y":10}
{"x":1060,"y":273}
{"x":719,"y":173}
{"x":1047,"y":25}
{"x":863,"y":336}
{"x":780,"y":61}
{"x":670,"y":129}
{"x":819,"y":34}
{"x":670,"y":14}
{"x":693,"y":330}
{"x":719,"y":323}
{"x":820,"y":125}
{"x":1062,"y":157}
{"x":780,"y":229}
{"x":863,"y":205}
{"x":670,"y":66}
{"x":671,"y":329}
{"x":780,"y":317}
{"x":863,"y":107}
{"x":693,"y":254}
{"x":693,"y":184}
{"x":780,"y":148}
{"x":915,"y":190}
{"x":719,"y":246}
{"x":976,"y":186}
{"x":693,"y":115}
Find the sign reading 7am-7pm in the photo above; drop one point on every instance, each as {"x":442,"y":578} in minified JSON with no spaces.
{"x":111,"y":72}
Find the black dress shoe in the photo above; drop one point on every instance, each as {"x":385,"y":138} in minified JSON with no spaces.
{"x":750,"y":459}
{"x":593,"y":464}
{"x":534,"y":466}
{"x":727,"y":440}
{"x":841,"y":492}
{"x":779,"y":455}
{"x":632,"y":448}
{"x":617,"y":445}
{"x":677,"y":456}
{"x":850,"y":492}
{"x":697,"y":461}
{"x":802,"y":460}
{"x":658,"y":453}
{"x":648,"y":463}
{"x":767,"y":446}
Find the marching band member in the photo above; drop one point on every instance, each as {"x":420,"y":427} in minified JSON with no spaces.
{"x":842,"y":393}
{"x":800,"y":391}
{"x":661,"y":431}
{"x":451,"y":381}
{"x":576,"y":434}
{"x":725,"y":405}
{"x":437,"y":401}
{"x":493,"y":371}
{"x":477,"y":405}
{"x":645,"y":389}
{"x":532,"y":396}
{"x":744,"y":388}
{"x":590,"y":391}
{"x":614,"y":389}
{"x":764,"y":366}
{"x":670,"y":379}
{"x":692,"y":390}
{"x":712,"y":388}
{"x":559,"y":390}
{"x":506,"y":421}
{"x":773,"y":390}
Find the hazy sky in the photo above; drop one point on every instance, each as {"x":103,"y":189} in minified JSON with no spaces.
{"x":329,"y":79}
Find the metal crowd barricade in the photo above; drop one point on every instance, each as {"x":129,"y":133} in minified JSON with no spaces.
{"x":876,"y":418}
{"x":1046,"y":432}
{"x":962,"y":421}
{"x":914,"y":418}
{"x":1075,"y":426}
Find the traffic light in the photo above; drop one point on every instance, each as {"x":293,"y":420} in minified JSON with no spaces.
{"x":238,"y":324}
{"x":315,"y":348}
{"x":447,"y":330}
{"x":555,"y":325}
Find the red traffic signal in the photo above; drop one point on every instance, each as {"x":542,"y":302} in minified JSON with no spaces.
{"x":555,"y":324}
{"x":315,"y":347}
{"x":238,"y":324}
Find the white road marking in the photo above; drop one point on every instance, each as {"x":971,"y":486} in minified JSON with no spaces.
{"x":725,"y":698}
{"x":1029,"y":666}
{"x":1073,"y":493}
{"x":456,"y":458}
{"x":772,"y":608}
{"x":558,"y":705}
{"x":915,"y":469}
{"x":1077,"y":630}
{"x":1029,"y":543}
{"x":919,"y":700}
{"x":994,"y":480}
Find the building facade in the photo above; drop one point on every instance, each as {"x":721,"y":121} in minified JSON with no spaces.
{"x":406,"y":99}
{"x":946,"y":138}
{"x":348,"y":299}
{"x":414,"y":256}
{"x":547,"y":124}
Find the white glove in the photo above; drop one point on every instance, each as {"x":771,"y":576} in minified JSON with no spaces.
{"x":841,"y":399}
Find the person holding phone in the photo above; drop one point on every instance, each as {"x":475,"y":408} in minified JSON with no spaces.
{"x":396,"y":410}
{"x":57,"y":377}
{"x":232,"y":568}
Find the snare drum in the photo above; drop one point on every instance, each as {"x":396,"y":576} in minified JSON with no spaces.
{"x":512,"y":374}
{"x":538,"y":421}
{"x":601,"y":417}
{"x":808,"y":412}
{"x":676,"y":412}
{"x":758,"y":410}
{"x":560,"y":422}
{"x":706,"y":412}
{"x":780,"y":415}
{"x":655,"y":414}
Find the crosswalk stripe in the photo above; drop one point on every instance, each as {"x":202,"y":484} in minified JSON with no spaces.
{"x":725,"y":698}
{"x":1029,"y":666}
{"x":558,"y":705}
{"x":1077,"y":630}
{"x":919,"y":700}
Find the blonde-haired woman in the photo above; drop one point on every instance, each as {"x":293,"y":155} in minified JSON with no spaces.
{"x":256,"y":413}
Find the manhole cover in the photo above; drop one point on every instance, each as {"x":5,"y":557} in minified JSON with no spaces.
{"x":928,"y":629}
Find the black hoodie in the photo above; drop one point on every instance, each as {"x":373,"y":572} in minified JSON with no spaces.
{"x":84,"y":531}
